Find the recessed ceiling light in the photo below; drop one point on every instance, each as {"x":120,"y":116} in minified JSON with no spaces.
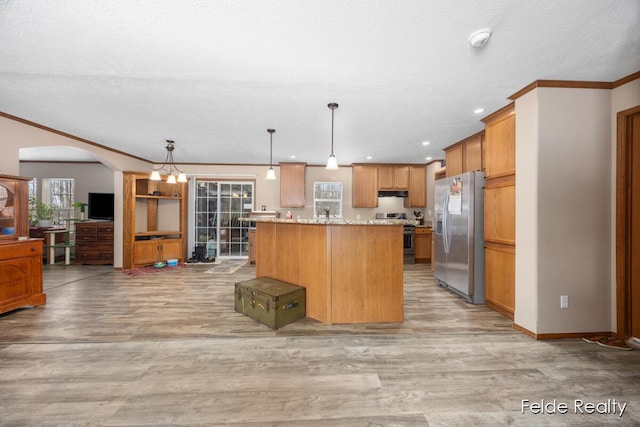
{"x":478,"y":111}
{"x":293,"y":156}
{"x":428,"y":158}
{"x":425,"y":143}
{"x":369,"y":157}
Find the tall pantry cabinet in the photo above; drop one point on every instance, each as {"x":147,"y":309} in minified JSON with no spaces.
{"x":155,"y":220}
{"x":500,"y":210}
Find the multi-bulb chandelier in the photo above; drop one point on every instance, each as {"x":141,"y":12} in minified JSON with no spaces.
{"x":169,"y":168}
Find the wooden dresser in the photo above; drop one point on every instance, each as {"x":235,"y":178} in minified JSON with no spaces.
{"x":94,"y":243}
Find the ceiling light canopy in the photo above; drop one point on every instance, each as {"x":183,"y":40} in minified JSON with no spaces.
{"x":479,"y":38}
{"x":332,"y":163}
{"x":168,"y":167}
{"x":271,"y":174}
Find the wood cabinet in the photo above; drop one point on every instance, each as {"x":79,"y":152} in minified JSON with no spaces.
{"x":151,"y":251}
{"x":500,"y":147}
{"x":94,"y":243}
{"x":20,"y":274}
{"x":20,"y":259}
{"x":320,"y":257}
{"x":14,"y":207}
{"x":154,"y":220}
{"x":393,"y":177}
{"x":466,"y":155}
{"x":364,"y":186}
{"x":368,"y":179}
{"x":417,"y":187}
{"x":292,"y":185}
{"x":423,"y":245}
{"x":500,"y":211}
{"x":473,"y":153}
{"x":454,"y":156}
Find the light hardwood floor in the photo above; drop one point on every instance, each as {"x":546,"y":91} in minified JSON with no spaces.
{"x":169,"y":349}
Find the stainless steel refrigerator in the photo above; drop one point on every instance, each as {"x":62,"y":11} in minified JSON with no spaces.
{"x":459,"y":235}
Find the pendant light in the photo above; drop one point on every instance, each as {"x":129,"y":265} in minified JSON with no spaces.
{"x":332,"y":163}
{"x":168,"y":167}
{"x":271,"y":174}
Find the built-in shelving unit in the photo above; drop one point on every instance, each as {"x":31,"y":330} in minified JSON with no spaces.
{"x":155,"y":220}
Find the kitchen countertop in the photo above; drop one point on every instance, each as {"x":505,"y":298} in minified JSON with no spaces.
{"x":335,"y":221}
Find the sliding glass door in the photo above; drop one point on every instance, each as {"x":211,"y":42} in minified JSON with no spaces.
{"x":218,"y":207}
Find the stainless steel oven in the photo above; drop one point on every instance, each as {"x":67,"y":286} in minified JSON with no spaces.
{"x":409,"y":244}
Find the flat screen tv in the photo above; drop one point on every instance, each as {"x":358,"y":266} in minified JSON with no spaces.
{"x":100,"y":206}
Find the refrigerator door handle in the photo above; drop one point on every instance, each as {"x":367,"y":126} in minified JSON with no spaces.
{"x":445,"y":222}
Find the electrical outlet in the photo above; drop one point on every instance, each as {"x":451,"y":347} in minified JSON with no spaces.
{"x":564,"y":301}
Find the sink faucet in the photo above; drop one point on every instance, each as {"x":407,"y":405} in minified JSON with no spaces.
{"x":326,"y":212}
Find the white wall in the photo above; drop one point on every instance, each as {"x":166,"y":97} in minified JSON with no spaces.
{"x":527,"y":167}
{"x":88,"y":177}
{"x":432,"y":168}
{"x":567,"y":167}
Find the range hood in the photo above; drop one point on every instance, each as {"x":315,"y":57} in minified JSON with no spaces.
{"x":393,"y":193}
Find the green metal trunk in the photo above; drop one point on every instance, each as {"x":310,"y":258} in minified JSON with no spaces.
{"x":271,"y":302}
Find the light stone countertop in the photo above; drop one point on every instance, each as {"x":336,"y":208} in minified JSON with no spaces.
{"x":335,"y":221}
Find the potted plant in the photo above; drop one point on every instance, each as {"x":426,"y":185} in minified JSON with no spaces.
{"x":82,"y":206}
{"x":40,"y":213}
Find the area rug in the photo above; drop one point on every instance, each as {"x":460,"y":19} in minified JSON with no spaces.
{"x":145,"y":270}
{"x":227,"y":266}
{"x":608,"y":342}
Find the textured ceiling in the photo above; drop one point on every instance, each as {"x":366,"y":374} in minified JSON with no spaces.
{"x":214,"y":75}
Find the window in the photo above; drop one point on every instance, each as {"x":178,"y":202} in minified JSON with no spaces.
{"x":33,"y":188}
{"x":327,"y":196}
{"x":58,"y":192}
{"x":218,"y":205}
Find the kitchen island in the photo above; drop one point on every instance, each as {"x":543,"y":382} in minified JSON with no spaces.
{"x":352,"y":270}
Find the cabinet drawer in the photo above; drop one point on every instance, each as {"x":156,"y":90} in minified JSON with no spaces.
{"x":105,"y":237}
{"x":106,"y":229}
{"x":20,"y":250}
{"x":85,"y":229}
{"x":86,"y":237}
{"x":423,"y":230}
{"x":94,"y":255}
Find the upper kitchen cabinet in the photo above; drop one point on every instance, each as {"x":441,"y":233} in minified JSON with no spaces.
{"x":500,"y":150}
{"x":292,"y":185}
{"x":466,"y":155}
{"x":454,"y":156}
{"x":417,"y":187}
{"x":393,"y":177}
{"x":365,"y":186}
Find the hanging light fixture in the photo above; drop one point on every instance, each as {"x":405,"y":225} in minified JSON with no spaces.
{"x":332,"y":163}
{"x":271,"y":174}
{"x":169,"y":168}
